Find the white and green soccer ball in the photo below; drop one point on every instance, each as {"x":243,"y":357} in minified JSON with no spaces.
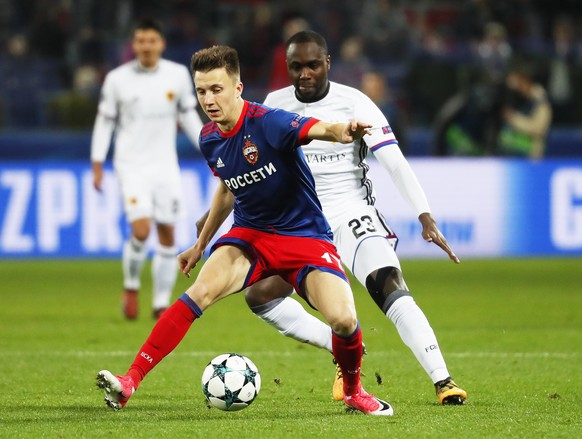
{"x":231,"y":382}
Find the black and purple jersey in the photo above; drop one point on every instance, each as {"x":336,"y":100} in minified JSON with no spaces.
{"x":261,"y":163}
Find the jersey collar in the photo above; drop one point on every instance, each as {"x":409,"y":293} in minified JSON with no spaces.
{"x":140,"y":68}
{"x":239,"y":123}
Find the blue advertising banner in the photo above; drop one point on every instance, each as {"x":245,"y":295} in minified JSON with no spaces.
{"x":51,"y":210}
{"x":485,"y":208}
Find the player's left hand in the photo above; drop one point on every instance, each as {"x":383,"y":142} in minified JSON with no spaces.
{"x":97,"y":176}
{"x":431,"y":233}
{"x":355,"y":130}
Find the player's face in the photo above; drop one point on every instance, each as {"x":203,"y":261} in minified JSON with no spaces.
{"x":308,"y":67}
{"x":220,"y":96}
{"x":148,"y":46}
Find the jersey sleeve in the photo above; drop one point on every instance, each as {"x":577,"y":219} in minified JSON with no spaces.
{"x":188,"y":118}
{"x":108,"y":99}
{"x":187,"y":101}
{"x":403,"y":177}
{"x":381,"y":135}
{"x":285,"y":130}
{"x":104,"y":122}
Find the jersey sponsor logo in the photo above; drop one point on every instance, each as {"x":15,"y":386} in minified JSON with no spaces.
{"x":219,"y":163}
{"x":252,"y":177}
{"x":386,"y":129}
{"x":147,"y":356}
{"x":324,"y":158}
{"x":170,"y":95}
{"x":251,"y":152}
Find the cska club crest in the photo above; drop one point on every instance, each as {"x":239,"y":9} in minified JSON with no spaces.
{"x":251,"y":152}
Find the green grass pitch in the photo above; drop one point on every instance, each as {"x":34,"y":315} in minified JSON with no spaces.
{"x":510,"y":330}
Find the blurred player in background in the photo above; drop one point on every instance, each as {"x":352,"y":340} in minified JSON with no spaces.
{"x":364,"y":241}
{"x":279,"y":227}
{"x":142,"y":101}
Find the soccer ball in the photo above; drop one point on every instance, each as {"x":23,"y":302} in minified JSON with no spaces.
{"x":231,"y":382}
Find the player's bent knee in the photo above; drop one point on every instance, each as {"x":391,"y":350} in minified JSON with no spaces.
{"x":201,"y":294}
{"x":254,"y":298}
{"x":344,"y":324}
{"x":345,"y":328}
{"x":267,"y":290}
{"x":385,"y":286}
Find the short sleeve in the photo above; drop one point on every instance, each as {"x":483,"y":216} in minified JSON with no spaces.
{"x":382,"y":135}
{"x":285,"y":130}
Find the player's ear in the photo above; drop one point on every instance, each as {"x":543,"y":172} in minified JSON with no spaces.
{"x":239,"y":89}
{"x":328,"y":62}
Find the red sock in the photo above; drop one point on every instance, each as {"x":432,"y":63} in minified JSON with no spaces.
{"x":348,"y":353}
{"x":167,"y":333}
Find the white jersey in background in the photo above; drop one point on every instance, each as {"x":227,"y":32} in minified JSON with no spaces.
{"x":142,"y":106}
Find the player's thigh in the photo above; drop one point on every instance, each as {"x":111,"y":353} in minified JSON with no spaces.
{"x":223,"y":273}
{"x":365,"y":242}
{"x":137,"y":194}
{"x":332,"y":297}
{"x":374,"y":253}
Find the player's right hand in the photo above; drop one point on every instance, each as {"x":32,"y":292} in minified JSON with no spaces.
{"x":188,"y":259}
{"x":355,"y":130}
{"x":431,"y":233}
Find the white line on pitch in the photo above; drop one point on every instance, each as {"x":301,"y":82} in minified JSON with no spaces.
{"x":294,"y":353}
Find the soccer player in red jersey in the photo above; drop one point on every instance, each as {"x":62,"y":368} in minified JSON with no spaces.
{"x":364,"y":240}
{"x":279,"y":227}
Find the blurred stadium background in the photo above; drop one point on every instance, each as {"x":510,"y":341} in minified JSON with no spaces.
{"x":510,"y":329}
{"x":412,"y":57}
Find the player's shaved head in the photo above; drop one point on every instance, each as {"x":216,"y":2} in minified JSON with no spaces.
{"x":307,"y":36}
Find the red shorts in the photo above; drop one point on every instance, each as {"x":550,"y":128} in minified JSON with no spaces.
{"x":291,"y":257}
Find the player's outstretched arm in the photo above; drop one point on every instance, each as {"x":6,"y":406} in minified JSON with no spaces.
{"x":431,"y":233}
{"x":219,"y":210}
{"x":339,"y":132}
